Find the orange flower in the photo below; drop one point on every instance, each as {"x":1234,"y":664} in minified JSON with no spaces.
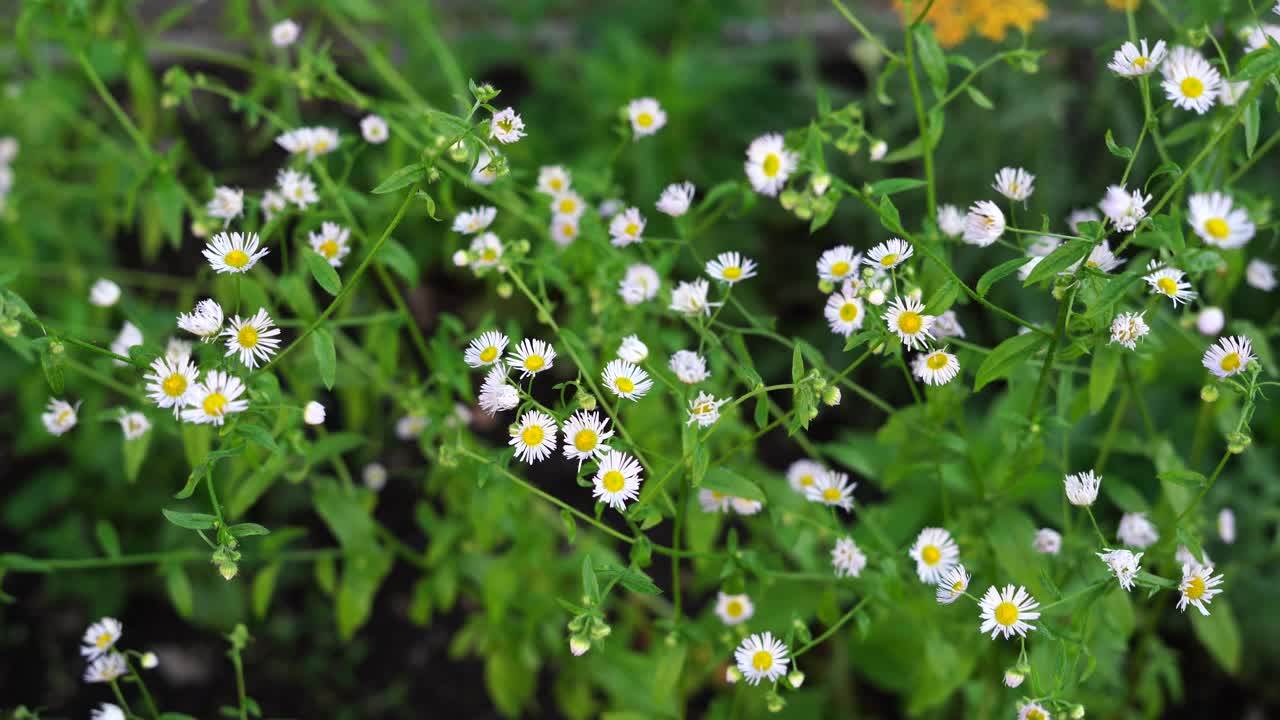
{"x":1124,"y":4}
{"x":955,"y":20}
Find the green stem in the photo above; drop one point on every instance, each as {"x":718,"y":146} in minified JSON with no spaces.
{"x":922,"y":123}
{"x":44,"y":566}
{"x":1207,"y":486}
{"x":835,"y":627}
{"x":1060,"y":330}
{"x":863,"y":31}
{"x":1082,"y":591}
{"x":142,"y":687}
{"x":1101,"y":537}
{"x":238,"y":664}
{"x":124,"y":704}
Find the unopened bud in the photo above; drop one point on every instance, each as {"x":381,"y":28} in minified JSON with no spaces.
{"x":796,"y":678}
{"x":831,"y":396}
{"x":149,"y":660}
{"x":579,"y":645}
{"x":788,"y":199}
{"x":826,"y":287}
{"x":1209,"y":393}
{"x":601,"y":631}
{"x":876,"y":297}
{"x":1077,"y":712}
{"x":1013,"y":678}
{"x":228,"y":570}
{"x":819,"y":183}
{"x":56,"y":347}
{"x":587,"y":401}
{"x":505,"y":289}
{"x":878,"y":150}
{"x":775,"y":703}
{"x":732,"y":675}
{"x":460,"y":258}
{"x":10,"y":327}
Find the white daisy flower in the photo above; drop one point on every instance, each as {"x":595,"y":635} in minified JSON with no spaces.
{"x":1134,"y":60}
{"x":730,"y":267}
{"x":633,"y":350}
{"x":1260,"y":37}
{"x":1136,"y":530}
{"x":104,"y":293}
{"x":1227,"y":525}
{"x":284,"y":33}
{"x":255,"y":338}
{"x":1192,"y":84}
{"x":847,"y":559}
{"x":769,"y":164}
{"x":888,"y":255}
{"x":171,"y":383}
{"x":410,"y":426}
{"x":705,"y":410}
{"x":1123,"y":564}
{"x":227,"y":204}
{"x":844,"y":312}
{"x":331,"y":242}
{"x":532,"y":357}
{"x":1082,"y":488}
{"x":233,"y":252}
{"x":646,"y":115}
{"x":486,"y":349}
{"x":1230,"y":93}
{"x":487,"y":168}
{"x":984,"y":224}
{"x":640,"y":283}
{"x":626,"y":227}
{"x":1101,"y":259}
{"x":838,"y":264}
{"x":298,"y":188}
{"x":374,"y":476}
{"x":1168,"y":282}
{"x":1048,"y":541}
{"x":1230,"y":356}
{"x":1128,"y":328}
{"x":553,"y":180}
{"x":534,"y":437}
{"x":804,"y":474}
{"x":1014,"y":183}
{"x":907,"y":320}
{"x":130,"y":336}
{"x":1178,"y":55}
{"x":105,"y":669}
{"x":626,"y":380}
{"x":100,"y":637}
{"x":295,"y":142}
{"x":1198,"y":587}
{"x":374,"y":129}
{"x":107,"y":711}
{"x":690,"y":298}
{"x":951,"y":221}
{"x":134,"y":425}
{"x":213,"y":399}
{"x":947,"y":325}
{"x":564,"y":229}
{"x":952,"y":585}
{"x":689,"y":367}
{"x":617,"y":480}
{"x":762,"y":657}
{"x":496,"y":394}
{"x":1184,"y":556}
{"x":743,"y":506}
{"x":832,"y":488}
{"x":935,"y":552}
{"x":676,"y":198}
{"x":204,"y":321}
{"x":585,"y":433}
{"x":272,"y":202}
{"x":1034,"y":711}
{"x":936,"y":368}
{"x":486,"y":249}
{"x":1082,"y":215}
{"x":734,"y":609}
{"x":1123,"y":208}
{"x":1217,"y":222}
{"x":506,"y":126}
{"x":570,"y":204}
{"x":1006,"y":612}
{"x":313,"y":413}
{"x":713,"y":501}
{"x":1261,"y":275}
{"x":323,"y":141}
{"x":474,"y":220}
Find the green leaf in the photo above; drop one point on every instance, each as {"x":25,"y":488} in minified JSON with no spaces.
{"x":1185,"y":478}
{"x":998,"y":273}
{"x":395,"y":256}
{"x":190,"y":521}
{"x":333,"y":445}
{"x":630,"y":578}
{"x":326,"y":277}
{"x":108,"y":539}
{"x":326,"y":356}
{"x":698,"y":469}
{"x":590,"y":588}
{"x":570,"y":525}
{"x":178,"y":585}
{"x":890,"y":186}
{"x":797,"y":365}
{"x":52,"y":365}
{"x":726,"y":481}
{"x":978,"y":98}
{"x":933,"y":59}
{"x":889,"y":217}
{"x":257,"y":434}
{"x":1219,"y":633}
{"x":135,"y":452}
{"x":430,"y":201}
{"x":1102,"y":377}
{"x":403,"y":177}
{"x":1257,"y":64}
{"x":247,"y":530}
{"x":1124,"y":495}
{"x":1117,"y":150}
{"x":945,"y":296}
{"x":1055,"y":262}
{"x":1007,"y":357}
{"x":1252,"y":123}
{"x":362,"y":575}
{"x":264,"y":585}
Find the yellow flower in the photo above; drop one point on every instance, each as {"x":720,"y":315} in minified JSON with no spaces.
{"x":1124,"y":4}
{"x":955,"y":20}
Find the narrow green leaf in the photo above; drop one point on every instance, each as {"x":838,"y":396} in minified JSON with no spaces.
{"x":178,"y":586}
{"x":326,"y":277}
{"x":1117,"y":150}
{"x":326,"y":356}
{"x":998,"y":273}
{"x":190,"y":521}
{"x":403,"y":177}
{"x":395,"y":256}
{"x":264,"y":585}
{"x":889,"y":217}
{"x":979,"y":98}
{"x":890,"y":186}
{"x":797,"y":365}
{"x":1102,"y":377}
{"x":1007,"y":357}
{"x":1185,"y":478}
{"x":1055,"y":262}
{"x":108,"y":539}
{"x":1252,"y":123}
{"x":257,"y":434}
{"x":590,"y":589}
{"x":932,"y":58}
{"x":248,"y":530}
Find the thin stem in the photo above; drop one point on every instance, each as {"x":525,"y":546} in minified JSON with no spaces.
{"x":124,"y":704}
{"x":1059,"y":331}
{"x":238,"y":664}
{"x":44,"y":566}
{"x":1068,"y":598}
{"x":831,"y":630}
{"x":1101,"y":537}
{"x":863,"y":31}
{"x":142,"y":687}
{"x":1205,"y":490}
{"x":922,"y":123}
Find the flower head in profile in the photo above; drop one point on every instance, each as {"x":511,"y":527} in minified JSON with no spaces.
{"x":1134,"y":60}
{"x":847,"y":559}
{"x":984,"y":224}
{"x":1168,"y":282}
{"x":844,"y":312}
{"x":1262,"y":36}
{"x":104,"y":293}
{"x":633,"y":350}
{"x":106,"y":668}
{"x":1261,"y":275}
{"x":734,"y":609}
{"x":486,"y":349}
{"x":731,"y":268}
{"x":227,"y":204}
{"x":212,"y":399}
{"x":907,"y":320}
{"x":506,"y":126}
{"x":1229,"y":356}
{"x":951,"y":221}
{"x":952,"y":585}
{"x":1082,"y":488}
{"x":254,"y":339}
{"x":647,"y":117}
{"x":936,"y":368}
{"x":705,"y":410}
{"x":762,"y":657}
{"x":1128,"y":328}
{"x":1137,"y":531}
{"x":1014,"y":183}
{"x":331,"y":242}
{"x":1124,"y":565}
{"x":532,"y":357}
{"x":769,"y":164}
{"x":676,"y":199}
{"x":690,"y":298}
{"x":1191,"y":83}
{"x":935,"y":553}
{"x":134,"y":425}
{"x":585,"y":433}
{"x":833,"y":489}
{"x":838,"y":264}
{"x":1006,"y":612}
{"x":947,"y":325}
{"x":534,"y":437}
{"x":107,"y":711}
{"x":130,"y":336}
{"x":496,"y":394}
{"x":1101,"y":259}
{"x":626,"y":380}
{"x":234,"y":252}
{"x":204,"y":321}
{"x":1123,"y":208}
{"x":1214,"y":217}
{"x":59,"y":416}
{"x":1082,"y":215}
{"x":553,"y":180}
{"x":474,"y":219}
{"x":617,"y":480}
{"x":640,"y":283}
{"x":1198,"y":587}
{"x":689,"y":367}
{"x":100,"y":637}
{"x":1047,"y":542}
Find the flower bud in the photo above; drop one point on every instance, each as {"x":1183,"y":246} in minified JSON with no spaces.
{"x":10,"y":327}
{"x":1238,"y":443}
{"x":876,"y":297}
{"x":56,"y":347}
{"x":579,"y":645}
{"x":831,"y":396}
{"x":505,"y":290}
{"x":374,"y":476}
{"x":149,"y":660}
{"x":1209,"y":393}
{"x":521,"y":246}
{"x":732,"y":675}
{"x":878,"y":150}
{"x":601,"y":631}
{"x":313,"y":413}
{"x":228,"y":570}
{"x":458,"y":152}
{"x":788,"y":199}
{"x":819,"y":183}
{"x":826,"y":287}
{"x":774,"y":702}
{"x":460,"y":258}
{"x":796,"y":678}
{"x":586,"y":401}
{"x":1210,"y":321}
{"x":916,"y":294}
{"x":1077,"y":712}
{"x":1013,"y":678}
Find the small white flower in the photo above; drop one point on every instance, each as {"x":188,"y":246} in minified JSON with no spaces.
{"x":1227,"y":525}
{"x":951,"y":221}
{"x":534,"y":437}
{"x":984,"y":224}
{"x":1123,"y":208}
{"x":254,"y":339}
{"x":1168,"y":282}
{"x":474,"y":220}
{"x":690,"y":298}
{"x":1215,"y":219}
{"x":838,"y":264}
{"x":844,"y":312}
{"x":952,"y":585}
{"x":641,"y":283}
{"x":106,"y":668}
{"x":646,"y":115}
{"x":1082,"y":488}
{"x":626,"y":380}
{"x":1033,"y":711}
{"x":233,"y":252}
{"x":713,"y":501}
{"x":284,"y":33}
{"x":564,"y":229}
{"x":1101,"y":259}
{"x":769,"y":164}
{"x":553,"y":180}
{"x":272,"y":202}
{"x":130,"y":336}
{"x":331,"y":242}
{"x":888,"y":255}
{"x":487,"y":168}
{"x":1048,"y":541}
{"x":374,"y":476}
{"x":731,"y":268}
{"x":506,"y":126}
{"x":568,"y":204}
{"x":487,"y":250}
{"x":1014,"y":183}
{"x":734,"y":609}
{"x":761,"y":657}
{"x":1198,"y":587}
{"x":1184,"y":556}
{"x":847,"y":559}
{"x":1134,"y":60}
{"x":150,"y":661}
{"x":705,"y":410}
{"x":532,"y":357}
{"x":134,"y":425}
{"x":1123,"y":564}
{"x":171,"y":382}
{"x":1082,"y":215}
{"x":374,"y":129}
{"x":1261,"y":275}
{"x":227,"y":204}
{"x":1262,"y":36}
{"x":1013,"y":678}
{"x":313,"y":413}
{"x":104,"y":293}
{"x":633,"y":350}
{"x":211,"y":400}
{"x":878,"y":150}
{"x":107,"y":711}
{"x":8,"y":149}
{"x":1128,"y":328}
{"x":1043,"y":246}
{"x":617,"y":480}
{"x":936,"y":368}
{"x":585,"y":433}
{"x":907,"y":320}
{"x":579,"y":645}
{"x":496,"y":394}
{"x":204,"y":321}
{"x":832,"y":488}
{"x":804,"y":474}
{"x":1230,"y":356}
{"x":410,"y":426}
{"x":676,"y":198}
{"x":689,"y":367}
{"x":935,"y":552}
{"x":1210,"y":321}
{"x":1006,"y":612}
{"x":627,"y":227}
{"x":609,"y":208}
{"x":1136,"y":530}
{"x":486,"y":349}
{"x":1192,"y":84}
{"x":100,"y":637}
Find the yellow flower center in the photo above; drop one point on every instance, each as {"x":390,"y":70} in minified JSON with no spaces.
{"x":103,"y":640}
{"x":624,"y":384}
{"x":930,"y":554}
{"x":1141,"y":62}
{"x":504,"y":125}
{"x":489,"y":255}
{"x":644,"y":119}
{"x":772,"y":164}
{"x":174,"y":385}
{"x":329,"y":249}
{"x":613,"y":481}
{"x":64,"y":416}
{"x":556,"y":184}
{"x":762,"y":660}
{"x":631,"y":229}
{"x":733,"y":608}
{"x":840,"y":269}
{"x":489,"y":354}
{"x":889,"y":260}
{"x":1006,"y":613}
{"x":567,"y":206}
{"x":1013,"y":188}
{"x":1195,"y":588}
{"x":1217,"y":227}
{"x":215,"y":404}
{"x":1192,"y":87}
{"x":585,"y":440}
{"x":909,"y":322}
{"x":320,"y":146}
{"x":806,"y":480}
{"x":1035,"y":715}
{"x":567,"y":229}
{"x":957,"y":586}
{"x":831,"y":495}
{"x":1093,"y":264}
{"x":849,"y":312}
{"x":248,"y":336}
{"x":534,"y":363}
{"x":936,"y":361}
{"x":532,"y":435}
{"x":732,"y":273}
{"x":236,"y":259}
{"x":1230,"y":362}
{"x":1167,"y":286}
